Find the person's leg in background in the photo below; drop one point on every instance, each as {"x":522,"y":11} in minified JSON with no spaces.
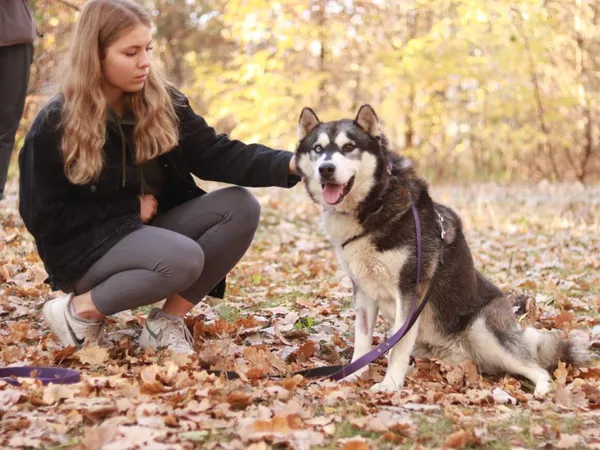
{"x":15,"y":62}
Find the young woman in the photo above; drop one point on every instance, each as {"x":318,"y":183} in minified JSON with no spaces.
{"x":106,"y":187}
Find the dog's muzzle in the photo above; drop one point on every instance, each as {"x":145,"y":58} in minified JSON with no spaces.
{"x":327,"y":172}
{"x":333,"y":191}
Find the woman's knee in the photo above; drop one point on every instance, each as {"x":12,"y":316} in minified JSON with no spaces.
{"x":244,"y":207}
{"x":186,"y":263}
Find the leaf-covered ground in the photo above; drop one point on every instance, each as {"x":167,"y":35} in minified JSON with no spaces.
{"x":288,"y":308}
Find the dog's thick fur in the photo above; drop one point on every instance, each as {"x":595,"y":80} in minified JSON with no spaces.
{"x":366,"y":192}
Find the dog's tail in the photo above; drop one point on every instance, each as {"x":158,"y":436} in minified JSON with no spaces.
{"x":548,"y":348}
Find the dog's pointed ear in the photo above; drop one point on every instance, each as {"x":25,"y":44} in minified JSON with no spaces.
{"x":308,"y":121}
{"x":367,"y":120}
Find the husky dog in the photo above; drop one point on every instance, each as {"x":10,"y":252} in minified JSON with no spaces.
{"x":366,"y":192}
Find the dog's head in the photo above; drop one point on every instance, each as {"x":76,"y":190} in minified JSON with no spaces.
{"x":341,"y":161}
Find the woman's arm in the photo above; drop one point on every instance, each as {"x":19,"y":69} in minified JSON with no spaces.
{"x":47,"y":206}
{"x":215,"y":157}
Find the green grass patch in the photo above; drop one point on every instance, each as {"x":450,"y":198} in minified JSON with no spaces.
{"x":228,"y":312}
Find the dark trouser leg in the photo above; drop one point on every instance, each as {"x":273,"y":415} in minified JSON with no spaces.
{"x":15,"y":61}
{"x":187,"y":251}
{"x":223,"y":223}
{"x":143,"y":268}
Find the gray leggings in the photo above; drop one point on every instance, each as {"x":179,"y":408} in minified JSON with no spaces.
{"x":187,"y":250}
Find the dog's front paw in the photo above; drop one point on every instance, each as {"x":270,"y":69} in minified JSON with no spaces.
{"x":355,"y":376}
{"x":388,"y":385}
{"x":541,"y":389}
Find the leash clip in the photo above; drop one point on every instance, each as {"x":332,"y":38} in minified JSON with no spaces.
{"x":441,"y":221}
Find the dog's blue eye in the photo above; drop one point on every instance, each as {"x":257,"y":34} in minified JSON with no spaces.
{"x":318,"y":148}
{"x":348,"y":147}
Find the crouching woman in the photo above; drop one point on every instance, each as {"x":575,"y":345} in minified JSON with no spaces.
{"x":106,"y":187}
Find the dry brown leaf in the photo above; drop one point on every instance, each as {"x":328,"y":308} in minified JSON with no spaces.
{"x":384,"y":421}
{"x":458,"y":439}
{"x":306,"y":350}
{"x":255,"y":373}
{"x":4,"y":273}
{"x":355,"y":444}
{"x":290,"y":383}
{"x":168,"y":373}
{"x":276,"y":425}
{"x":567,"y":441}
{"x":471,"y":373}
{"x":371,"y":423}
{"x":456,"y":376}
{"x":339,"y":341}
{"x":238,"y":400}
{"x":528,"y":284}
{"x":563,"y":396}
{"x":258,"y":358}
{"x":95,"y":438}
{"x":258,"y":446}
{"x":278,"y":334}
{"x":56,"y":392}
{"x":64,"y":354}
{"x":170,"y":420}
{"x":99,"y":411}
{"x":18,"y":424}
{"x":124,"y":405}
{"x":564,"y":320}
{"x":93,"y":355}
{"x":150,"y":384}
{"x":9,"y":397}
{"x":179,"y":359}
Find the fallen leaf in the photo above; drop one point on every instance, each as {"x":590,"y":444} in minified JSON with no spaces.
{"x":456,"y":376}
{"x":53,"y":393}
{"x":9,"y":397}
{"x":238,"y":400}
{"x":354,"y":444}
{"x":471,"y":373}
{"x":93,"y":355}
{"x":458,"y":439}
{"x":567,"y":441}
{"x":306,"y":350}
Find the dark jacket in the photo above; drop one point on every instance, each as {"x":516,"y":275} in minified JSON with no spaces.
{"x":75,"y":225}
{"x":16,"y":23}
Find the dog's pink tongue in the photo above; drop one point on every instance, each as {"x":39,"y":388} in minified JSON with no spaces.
{"x":332,"y":193}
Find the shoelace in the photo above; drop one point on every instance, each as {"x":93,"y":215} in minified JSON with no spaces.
{"x":176,"y":330}
{"x":98,"y":335}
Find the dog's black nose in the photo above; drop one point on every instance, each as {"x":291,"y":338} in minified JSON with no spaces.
{"x":327,"y":169}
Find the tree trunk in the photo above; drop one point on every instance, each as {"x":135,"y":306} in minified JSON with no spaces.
{"x":541,"y":115}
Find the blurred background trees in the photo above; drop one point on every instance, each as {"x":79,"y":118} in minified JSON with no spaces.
{"x":469,"y":89}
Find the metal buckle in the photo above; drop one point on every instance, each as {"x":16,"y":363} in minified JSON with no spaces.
{"x":441,"y":220}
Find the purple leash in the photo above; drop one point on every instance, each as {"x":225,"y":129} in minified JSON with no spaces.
{"x":387,"y":345}
{"x":46,"y":375}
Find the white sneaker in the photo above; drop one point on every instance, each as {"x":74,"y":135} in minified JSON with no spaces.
{"x":167,"y":330}
{"x":71,"y":330}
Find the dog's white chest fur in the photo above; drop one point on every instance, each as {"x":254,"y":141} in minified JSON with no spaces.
{"x":376,"y":272}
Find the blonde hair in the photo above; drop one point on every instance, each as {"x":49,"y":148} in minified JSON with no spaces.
{"x":84,"y":109}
